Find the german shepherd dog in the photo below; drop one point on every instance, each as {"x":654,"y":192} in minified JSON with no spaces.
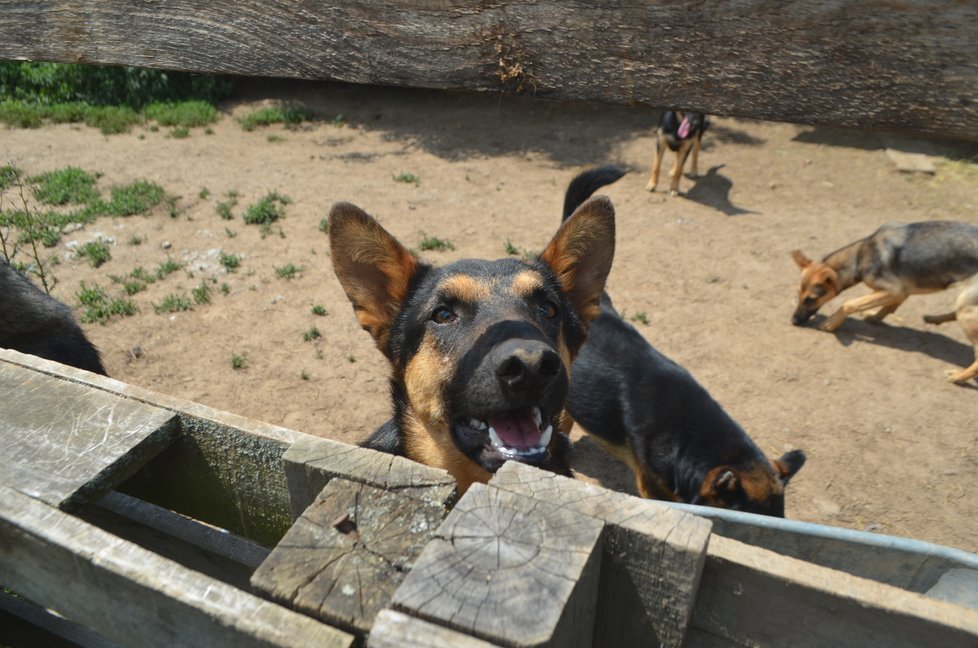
{"x":680,"y":132}
{"x":31,"y":321}
{"x":480,"y":350}
{"x":651,"y":413}
{"x":896,"y":261}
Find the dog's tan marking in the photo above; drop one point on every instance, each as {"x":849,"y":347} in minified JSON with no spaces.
{"x":465,"y":289}
{"x":433,"y":446}
{"x":527,"y":283}
{"x":878,"y":299}
{"x":425,"y":377}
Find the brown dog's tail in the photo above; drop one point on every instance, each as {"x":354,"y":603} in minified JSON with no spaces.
{"x":585,"y":184}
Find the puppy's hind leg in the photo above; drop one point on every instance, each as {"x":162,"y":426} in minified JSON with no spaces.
{"x":694,"y":170}
{"x":677,"y":170}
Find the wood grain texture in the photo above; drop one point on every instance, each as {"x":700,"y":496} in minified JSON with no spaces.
{"x":652,"y":562}
{"x":397,"y":630}
{"x":906,"y":66}
{"x":65,"y":443}
{"x":751,"y":596}
{"x":130,"y":595}
{"x":342,"y":560}
{"x":509,"y":569}
{"x":311,"y":462}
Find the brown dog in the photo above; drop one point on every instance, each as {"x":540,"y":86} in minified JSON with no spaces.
{"x":896,"y":261}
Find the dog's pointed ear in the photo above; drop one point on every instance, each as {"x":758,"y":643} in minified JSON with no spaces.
{"x":373,"y":268}
{"x":581,"y":252}
{"x":789,"y":464}
{"x":800,"y":258}
{"x":720,"y":487}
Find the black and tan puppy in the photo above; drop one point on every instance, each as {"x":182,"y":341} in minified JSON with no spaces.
{"x":480,"y":350}
{"x":31,"y":321}
{"x":653,"y":415}
{"x":681,"y":133}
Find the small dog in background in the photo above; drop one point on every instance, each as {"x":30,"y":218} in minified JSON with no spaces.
{"x":33,"y":322}
{"x":896,"y":261}
{"x":681,"y":132}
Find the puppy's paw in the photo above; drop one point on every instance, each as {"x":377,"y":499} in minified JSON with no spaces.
{"x":829,"y":326}
{"x":674,"y":192}
{"x":651,"y":186}
{"x":958,"y":377}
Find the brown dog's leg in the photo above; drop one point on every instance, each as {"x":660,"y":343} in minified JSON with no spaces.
{"x":967,"y":316}
{"x":943,"y":318}
{"x":878,"y":299}
{"x":695,"y":164}
{"x":660,"y":149}
{"x":883,"y":312}
{"x":677,"y":170}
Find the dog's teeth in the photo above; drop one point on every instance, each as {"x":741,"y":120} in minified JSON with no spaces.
{"x":477,"y":424}
{"x":537,"y":417}
{"x":494,"y":439}
{"x":545,"y":437}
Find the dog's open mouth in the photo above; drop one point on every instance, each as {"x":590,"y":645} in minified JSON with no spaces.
{"x":523,"y":434}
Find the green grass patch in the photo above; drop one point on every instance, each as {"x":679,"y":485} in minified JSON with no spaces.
{"x":70,"y":185}
{"x":407,"y":178}
{"x":640,"y":317}
{"x":312,"y":334}
{"x":172,"y":303}
{"x":135,"y":198}
{"x":324,"y":225}
{"x":97,"y":252}
{"x":167,"y":268}
{"x":288,"y":115}
{"x":267,"y":210}
{"x":99,"y":307}
{"x":238,"y":361}
{"x":319,"y":310}
{"x":433,"y":243}
{"x":201,"y":294}
{"x":224,"y":209}
{"x":231,"y":262}
{"x":185,"y":114}
{"x":287,"y":271}
{"x":180,"y":132}
{"x":9,"y":174}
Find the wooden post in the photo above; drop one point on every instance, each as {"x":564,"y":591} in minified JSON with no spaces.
{"x":344,"y":557}
{"x":509,"y":569}
{"x":311,"y":462}
{"x":652,"y":562}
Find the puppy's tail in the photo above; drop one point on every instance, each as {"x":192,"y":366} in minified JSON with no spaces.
{"x":585,"y":184}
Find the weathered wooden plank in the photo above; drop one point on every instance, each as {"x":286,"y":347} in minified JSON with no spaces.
{"x":752,"y":596}
{"x":130,"y":595}
{"x":65,"y":443}
{"x":908,"y":66}
{"x":311,"y":462}
{"x":26,"y":625}
{"x":509,"y":569}
{"x":344,"y":558}
{"x":397,"y":630}
{"x":652,"y":562}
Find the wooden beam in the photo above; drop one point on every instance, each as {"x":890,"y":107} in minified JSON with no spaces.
{"x":397,"y":630}
{"x":132,"y":596}
{"x":652,"y":561}
{"x":910,"y":66}
{"x":754,"y":597}
{"x":66,"y":443}
{"x":510,"y":570}
{"x":342,"y":560}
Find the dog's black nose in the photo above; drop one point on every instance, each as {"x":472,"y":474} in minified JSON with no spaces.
{"x":525,"y":364}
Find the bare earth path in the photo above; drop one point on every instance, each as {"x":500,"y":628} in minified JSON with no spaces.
{"x":891,"y":446}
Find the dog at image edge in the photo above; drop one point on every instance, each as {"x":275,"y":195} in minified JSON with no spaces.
{"x":31,"y":321}
{"x":480,"y":350}
{"x":896,"y":261}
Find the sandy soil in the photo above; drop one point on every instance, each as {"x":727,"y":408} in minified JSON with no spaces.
{"x":891,"y":446}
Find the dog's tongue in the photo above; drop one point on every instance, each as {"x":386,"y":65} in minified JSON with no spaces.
{"x":684,"y":128}
{"x":516,"y":429}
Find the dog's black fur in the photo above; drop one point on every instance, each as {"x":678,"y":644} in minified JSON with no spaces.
{"x":33,"y":322}
{"x":650,"y":412}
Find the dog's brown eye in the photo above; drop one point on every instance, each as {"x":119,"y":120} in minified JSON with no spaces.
{"x":443,"y":315}
{"x":548,"y":309}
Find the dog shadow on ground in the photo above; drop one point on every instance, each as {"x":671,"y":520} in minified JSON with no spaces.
{"x":937,"y":346}
{"x":591,"y":461}
{"x":713,"y":190}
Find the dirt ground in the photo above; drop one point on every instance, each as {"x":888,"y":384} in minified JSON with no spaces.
{"x":891,"y":446}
